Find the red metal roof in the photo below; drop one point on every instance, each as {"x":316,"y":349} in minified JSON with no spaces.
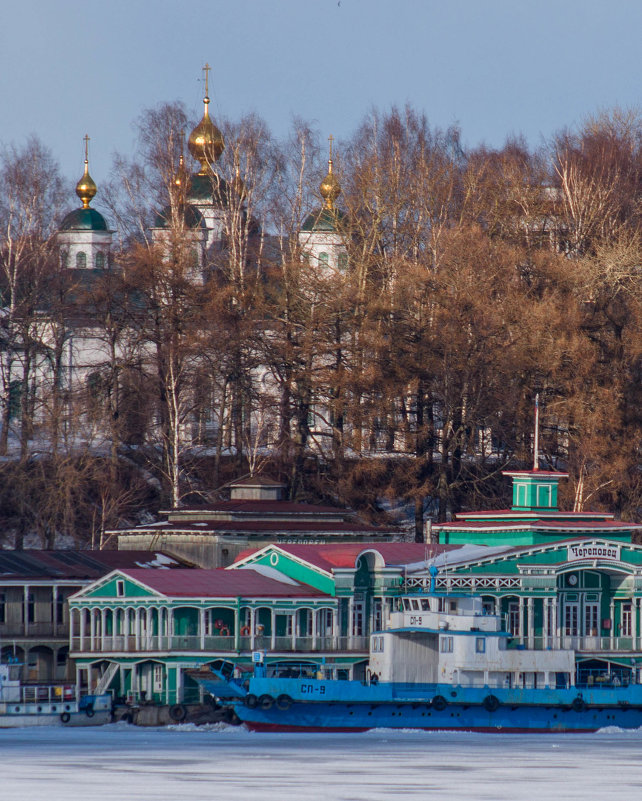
{"x":250,"y":506}
{"x":223,"y":526}
{"x":345,"y":555}
{"x":219,"y":583}
{"x":79,"y":564}
{"x":540,"y":524}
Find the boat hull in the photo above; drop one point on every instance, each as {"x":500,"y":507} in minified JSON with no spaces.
{"x":312,"y":705}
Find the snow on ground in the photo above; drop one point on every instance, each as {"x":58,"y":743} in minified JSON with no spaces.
{"x":126,"y":763}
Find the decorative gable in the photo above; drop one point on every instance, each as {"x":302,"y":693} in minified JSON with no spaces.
{"x":116,"y":585}
{"x":273,"y":558}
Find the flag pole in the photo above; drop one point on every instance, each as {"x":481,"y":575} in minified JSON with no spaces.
{"x":536,"y":445}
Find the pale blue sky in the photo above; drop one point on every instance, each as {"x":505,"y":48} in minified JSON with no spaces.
{"x":496,"y":67}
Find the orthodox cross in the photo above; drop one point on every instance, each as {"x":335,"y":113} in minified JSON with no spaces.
{"x":330,"y":139}
{"x":86,"y":141}
{"x":206,"y":70}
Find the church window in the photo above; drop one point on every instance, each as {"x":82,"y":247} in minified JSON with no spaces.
{"x":81,"y":260}
{"x":343,"y":261}
{"x":100,"y":260}
{"x":324,"y":259}
{"x":305,"y":258}
{"x":95,"y":386}
{"x":15,"y":398}
{"x":64,"y":258}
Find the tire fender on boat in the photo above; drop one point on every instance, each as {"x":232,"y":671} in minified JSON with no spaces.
{"x":439,"y":703}
{"x":266,"y":701}
{"x":283,"y":702}
{"x":90,"y":712}
{"x":251,"y":701}
{"x":177,"y":712}
{"x":491,"y":703}
{"x":65,"y":717}
{"x":578,"y":704}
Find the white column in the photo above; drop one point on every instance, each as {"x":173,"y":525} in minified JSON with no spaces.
{"x":252,"y":619}
{"x":201,"y":624}
{"x":350,"y":622}
{"x":314,"y":627}
{"x":71,"y":629}
{"x":81,"y":612}
{"x":520,"y":602}
{"x":103,"y":620}
{"x":556,"y":622}
{"x":92,"y":630}
{"x":293,"y":636}
{"x":612,"y":616}
{"x":54,"y":608}
{"x":25,"y":606}
{"x":137,"y":628}
{"x":273,"y":629}
{"x":531,"y":622}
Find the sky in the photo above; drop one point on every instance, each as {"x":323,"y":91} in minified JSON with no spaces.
{"x":495,"y":68}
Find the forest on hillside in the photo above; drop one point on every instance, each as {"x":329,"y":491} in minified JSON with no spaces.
{"x":475,"y":279}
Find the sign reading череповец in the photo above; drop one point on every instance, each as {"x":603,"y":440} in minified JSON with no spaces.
{"x":593,"y":550}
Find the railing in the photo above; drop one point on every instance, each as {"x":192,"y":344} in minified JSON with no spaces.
{"x":46,"y":630}
{"x":37,"y":693}
{"x":576,"y":643}
{"x":464,"y":583}
{"x":131,"y":644}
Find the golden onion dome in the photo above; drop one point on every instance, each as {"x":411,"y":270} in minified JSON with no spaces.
{"x":330,"y":188}
{"x":206,"y":142}
{"x":86,"y":188}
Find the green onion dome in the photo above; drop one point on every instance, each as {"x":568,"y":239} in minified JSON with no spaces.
{"x":324,"y":220}
{"x":85,"y":219}
{"x":192,"y":218}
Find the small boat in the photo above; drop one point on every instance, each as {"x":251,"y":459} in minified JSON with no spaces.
{"x":440,"y":663}
{"x":47,"y":704}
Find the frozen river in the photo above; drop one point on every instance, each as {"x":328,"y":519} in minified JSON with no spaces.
{"x":126,"y":763}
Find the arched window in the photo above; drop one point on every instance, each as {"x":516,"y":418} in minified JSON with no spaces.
{"x":64,"y":258}
{"x":81,"y":260}
{"x":343,"y":261}
{"x":100,"y":260}
{"x":324,"y":259}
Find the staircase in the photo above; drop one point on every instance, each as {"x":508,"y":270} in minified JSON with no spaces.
{"x":106,"y":679}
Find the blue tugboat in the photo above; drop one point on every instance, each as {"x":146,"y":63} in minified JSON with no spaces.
{"x":440,"y":663}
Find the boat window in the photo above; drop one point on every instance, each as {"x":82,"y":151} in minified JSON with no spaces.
{"x":480,"y":645}
{"x":406,"y":604}
{"x":446,"y":645}
{"x":415,"y":604}
{"x":425,"y":605}
{"x":453,"y":606}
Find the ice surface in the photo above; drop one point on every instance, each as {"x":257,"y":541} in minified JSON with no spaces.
{"x":126,"y":763}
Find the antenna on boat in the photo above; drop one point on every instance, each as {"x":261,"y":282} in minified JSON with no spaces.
{"x":536,"y":443}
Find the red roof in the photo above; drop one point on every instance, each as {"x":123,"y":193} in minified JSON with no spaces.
{"x":250,"y":506}
{"x":219,"y":583}
{"x":345,"y":555}
{"x":250,"y":525}
{"x":79,"y":564}
{"x":543,"y":525}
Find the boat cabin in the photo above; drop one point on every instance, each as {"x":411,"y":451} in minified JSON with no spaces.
{"x":442,"y":638}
